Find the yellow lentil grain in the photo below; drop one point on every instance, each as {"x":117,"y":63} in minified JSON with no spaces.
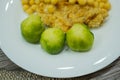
{"x":54,"y":1}
{"x":25,"y":7}
{"x":96,"y":4}
{"x":82,"y":2}
{"x":29,"y":11}
{"x":47,"y":1}
{"x":34,"y":7}
{"x":31,"y":2}
{"x":72,"y":1}
{"x":107,"y":6}
{"x":37,"y":1}
{"x":50,"y":8}
{"x":101,"y":4}
{"x":98,"y":0}
{"x":25,"y":1}
{"x":104,"y":0}
{"x":90,"y":2}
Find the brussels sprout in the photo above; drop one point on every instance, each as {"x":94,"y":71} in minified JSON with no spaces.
{"x":52,"y":40}
{"x":31,"y":28}
{"x":79,"y":38}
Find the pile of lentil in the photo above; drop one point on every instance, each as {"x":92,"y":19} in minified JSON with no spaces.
{"x":65,"y":13}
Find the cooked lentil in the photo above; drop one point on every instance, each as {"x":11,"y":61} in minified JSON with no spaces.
{"x":64,"y":13}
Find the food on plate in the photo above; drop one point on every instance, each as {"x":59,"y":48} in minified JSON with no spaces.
{"x":79,"y":38}
{"x":67,"y":21}
{"x":31,"y":28}
{"x":64,"y":13}
{"x":52,"y":40}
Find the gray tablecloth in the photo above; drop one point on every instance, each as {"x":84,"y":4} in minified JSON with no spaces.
{"x":10,"y":71}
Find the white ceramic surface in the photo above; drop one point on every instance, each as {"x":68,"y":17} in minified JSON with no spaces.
{"x":31,"y":57}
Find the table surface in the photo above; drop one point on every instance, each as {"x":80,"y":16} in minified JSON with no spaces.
{"x":10,"y":71}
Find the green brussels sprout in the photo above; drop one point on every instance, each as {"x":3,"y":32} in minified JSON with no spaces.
{"x":79,"y":38}
{"x":31,"y":28}
{"x":52,"y":40}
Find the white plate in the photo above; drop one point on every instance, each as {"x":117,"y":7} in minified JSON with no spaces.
{"x":31,"y":57}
